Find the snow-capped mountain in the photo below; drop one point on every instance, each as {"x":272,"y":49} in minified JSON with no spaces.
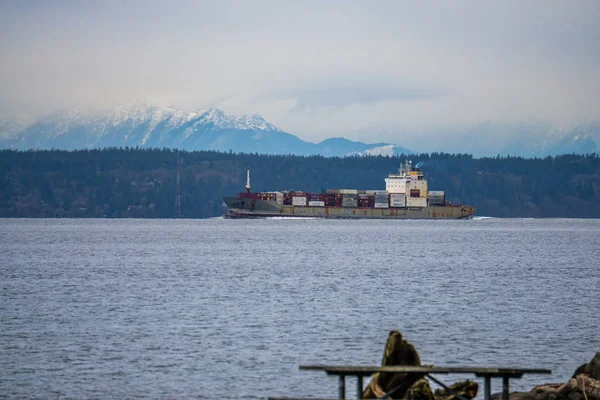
{"x":385,"y":150}
{"x":141,"y":125}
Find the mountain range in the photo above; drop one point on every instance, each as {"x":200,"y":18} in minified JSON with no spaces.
{"x":141,"y":125}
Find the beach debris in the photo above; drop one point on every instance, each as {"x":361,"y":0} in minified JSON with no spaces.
{"x":398,"y":351}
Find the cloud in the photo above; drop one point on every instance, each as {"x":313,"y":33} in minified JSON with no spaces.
{"x":337,"y":96}
{"x":313,"y":68}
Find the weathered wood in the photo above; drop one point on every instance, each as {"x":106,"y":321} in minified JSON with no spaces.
{"x":442,"y":384}
{"x":359,"y":386}
{"x":505,"y":388}
{"x":487,"y":387}
{"x":368,"y":370}
{"x":342,"y":387}
{"x":301,"y":398}
{"x":487,"y":373}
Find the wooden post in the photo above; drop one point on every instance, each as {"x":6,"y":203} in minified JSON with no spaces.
{"x":487,"y":387}
{"x":505,"y":387}
{"x":342,"y":387}
{"x":359,"y":386}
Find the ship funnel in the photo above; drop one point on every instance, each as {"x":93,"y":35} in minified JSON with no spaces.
{"x":248,"y":180}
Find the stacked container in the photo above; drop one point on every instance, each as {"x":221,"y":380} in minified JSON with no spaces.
{"x":349,"y":200}
{"x":299,"y":201}
{"x":437,"y":198}
{"x":279,"y":198}
{"x":382,"y":200}
{"x":397,"y":200}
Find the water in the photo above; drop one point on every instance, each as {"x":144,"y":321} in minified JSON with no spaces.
{"x":230,"y":308}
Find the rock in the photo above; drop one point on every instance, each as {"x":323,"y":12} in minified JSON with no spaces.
{"x":467,"y":389}
{"x":582,"y":387}
{"x":398,"y":351}
{"x":590,"y":369}
{"x":585,"y":385}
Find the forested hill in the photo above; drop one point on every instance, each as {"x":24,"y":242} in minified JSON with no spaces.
{"x":142,"y":183}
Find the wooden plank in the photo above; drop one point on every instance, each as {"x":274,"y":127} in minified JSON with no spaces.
{"x":368,"y":370}
{"x":302,"y":398}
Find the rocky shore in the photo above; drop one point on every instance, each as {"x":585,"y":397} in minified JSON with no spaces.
{"x":584,"y":385}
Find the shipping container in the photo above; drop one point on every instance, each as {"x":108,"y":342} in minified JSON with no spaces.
{"x":348,"y":202}
{"x":416,"y":202}
{"x":348,"y":191}
{"x":397,"y":200}
{"x":437,"y":197}
{"x":316,"y":203}
{"x":298,"y":201}
{"x":381,"y":205}
{"x":279,"y":198}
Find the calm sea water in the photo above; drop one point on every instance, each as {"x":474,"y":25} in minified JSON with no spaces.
{"x":230,"y":308}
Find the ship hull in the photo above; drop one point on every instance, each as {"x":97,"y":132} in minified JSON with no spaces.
{"x":256,"y":208}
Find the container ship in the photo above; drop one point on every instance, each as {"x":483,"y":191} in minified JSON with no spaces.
{"x":406,"y":196}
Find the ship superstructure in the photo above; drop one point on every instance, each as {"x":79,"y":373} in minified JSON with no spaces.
{"x":406,"y":196}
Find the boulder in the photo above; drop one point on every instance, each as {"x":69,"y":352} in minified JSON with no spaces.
{"x":590,"y":369}
{"x":584,"y":385}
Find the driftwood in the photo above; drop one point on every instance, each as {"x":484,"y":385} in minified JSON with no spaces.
{"x":398,"y":351}
{"x":404,"y":386}
{"x":590,"y":388}
{"x":584,"y":385}
{"x":467,"y":389}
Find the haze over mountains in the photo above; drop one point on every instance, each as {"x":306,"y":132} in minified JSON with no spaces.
{"x":143,"y":125}
{"x":150,"y":126}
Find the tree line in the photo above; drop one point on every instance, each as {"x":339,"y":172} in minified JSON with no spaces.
{"x":133,"y":182}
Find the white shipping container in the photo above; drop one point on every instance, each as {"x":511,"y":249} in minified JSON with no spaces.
{"x":437,"y":197}
{"x":348,"y":191}
{"x":316,"y":203}
{"x":397,"y":200}
{"x":381,"y":205}
{"x":298,"y":201}
{"x":416,"y":202}
{"x":279,"y":198}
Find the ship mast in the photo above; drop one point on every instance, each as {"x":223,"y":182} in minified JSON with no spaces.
{"x":178,"y":188}
{"x":248,"y":180}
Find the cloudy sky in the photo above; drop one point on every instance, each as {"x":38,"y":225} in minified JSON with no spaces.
{"x":364,"y":70}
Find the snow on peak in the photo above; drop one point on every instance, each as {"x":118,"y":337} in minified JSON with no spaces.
{"x":381,"y":151}
{"x":219,"y":119}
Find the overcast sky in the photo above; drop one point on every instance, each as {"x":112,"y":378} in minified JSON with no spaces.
{"x":364,"y":70}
